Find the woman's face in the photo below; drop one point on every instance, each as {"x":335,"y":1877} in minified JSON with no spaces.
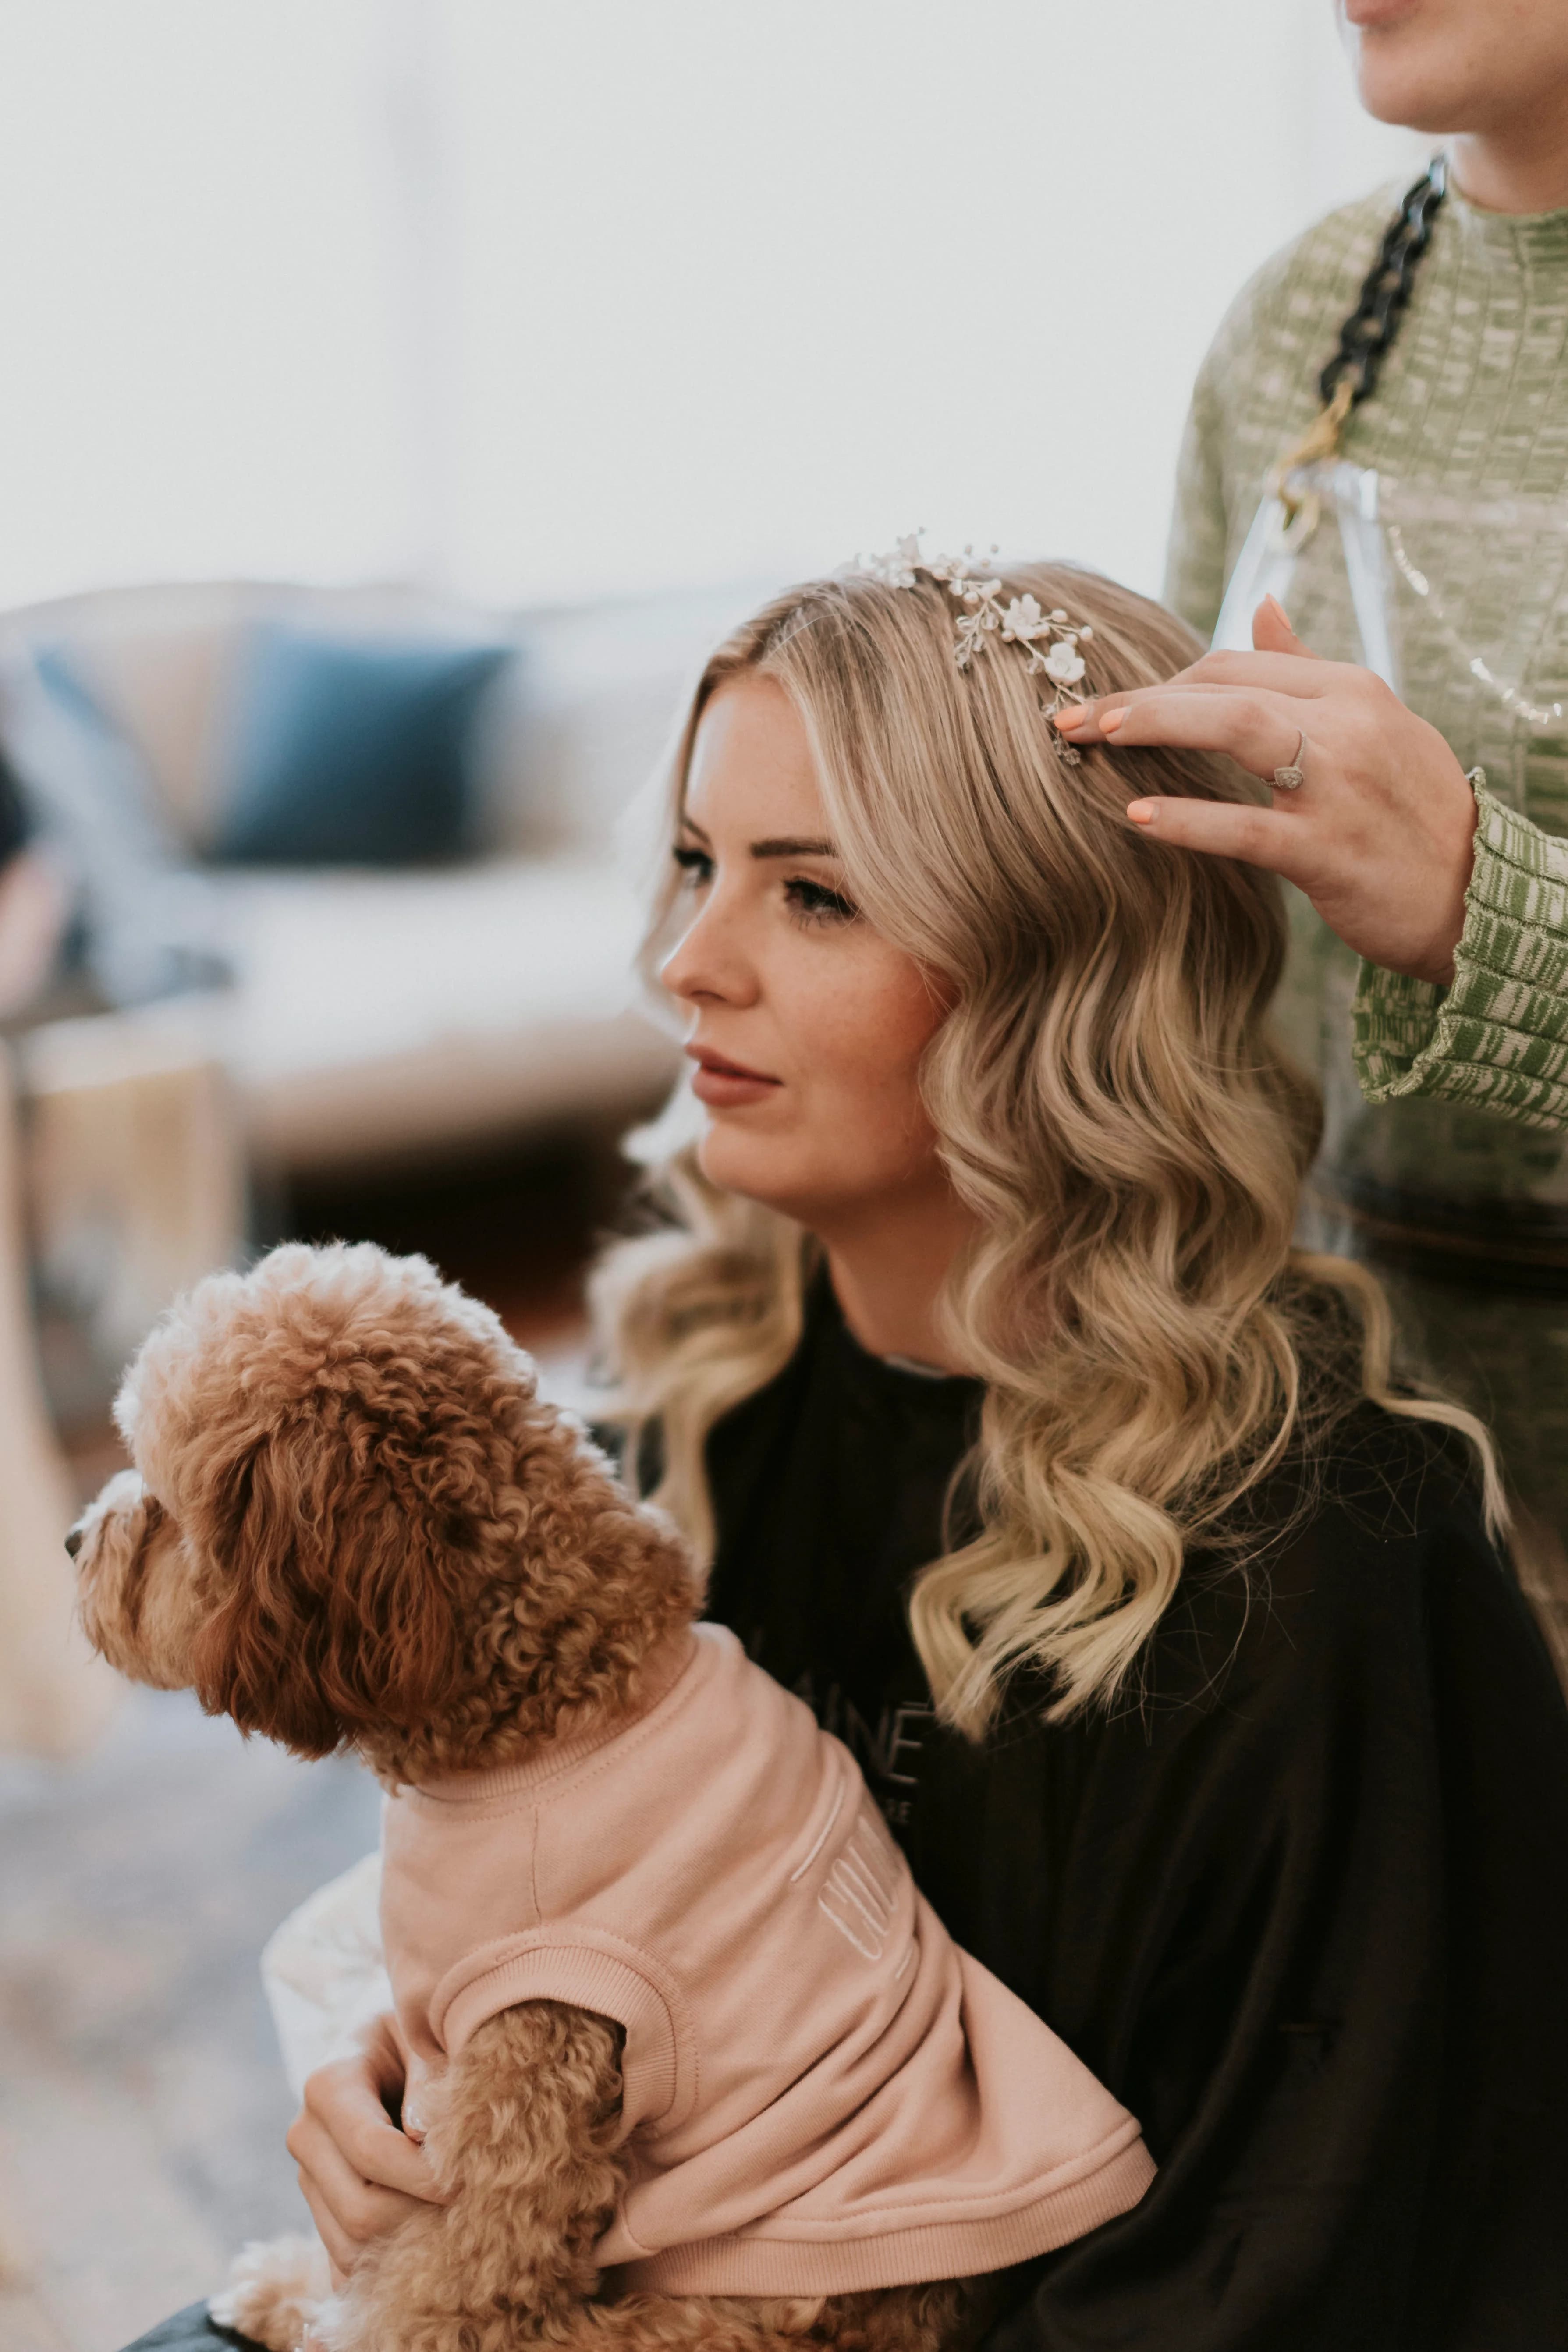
{"x":1479,"y":65}
{"x":807,"y":1028}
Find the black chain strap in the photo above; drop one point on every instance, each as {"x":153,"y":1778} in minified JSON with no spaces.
{"x":1365,"y":337}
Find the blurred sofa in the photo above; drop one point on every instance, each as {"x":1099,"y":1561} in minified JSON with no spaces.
{"x":383,"y":1011}
{"x":366,"y":1014}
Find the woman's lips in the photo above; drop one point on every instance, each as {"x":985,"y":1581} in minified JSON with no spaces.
{"x":726,"y":1085}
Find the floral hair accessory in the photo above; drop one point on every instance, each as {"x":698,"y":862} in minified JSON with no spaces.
{"x":1051,"y":640}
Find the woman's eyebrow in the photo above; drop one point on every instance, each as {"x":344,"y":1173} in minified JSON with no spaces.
{"x":789,"y":845}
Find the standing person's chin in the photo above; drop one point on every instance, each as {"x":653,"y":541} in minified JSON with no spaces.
{"x":1415,"y":62}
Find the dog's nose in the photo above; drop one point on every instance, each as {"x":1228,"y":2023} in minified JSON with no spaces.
{"x":73,"y":1542}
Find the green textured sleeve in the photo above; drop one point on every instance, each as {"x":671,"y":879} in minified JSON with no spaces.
{"x":1496,"y":1037}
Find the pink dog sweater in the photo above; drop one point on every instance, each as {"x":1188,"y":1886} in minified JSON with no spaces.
{"x":822,"y":2093}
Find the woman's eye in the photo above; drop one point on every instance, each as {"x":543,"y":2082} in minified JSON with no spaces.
{"x":813,"y":902}
{"x":696,"y":865}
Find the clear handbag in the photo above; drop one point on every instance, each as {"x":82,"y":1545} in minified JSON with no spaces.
{"x":1325,"y":560}
{"x":1456,"y":601}
{"x":1461,"y":605}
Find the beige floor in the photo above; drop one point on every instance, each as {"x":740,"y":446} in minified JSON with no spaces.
{"x":142,"y":2105}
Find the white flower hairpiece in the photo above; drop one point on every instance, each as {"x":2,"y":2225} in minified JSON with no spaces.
{"x":1051,"y":640}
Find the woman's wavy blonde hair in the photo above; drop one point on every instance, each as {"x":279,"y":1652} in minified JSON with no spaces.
{"x":1109,"y":1099}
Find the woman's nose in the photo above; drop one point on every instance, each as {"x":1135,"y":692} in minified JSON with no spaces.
{"x":711,"y":961}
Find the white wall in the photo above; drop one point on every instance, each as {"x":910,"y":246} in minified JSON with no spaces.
{"x":538,"y":299}
{"x":196,"y":293}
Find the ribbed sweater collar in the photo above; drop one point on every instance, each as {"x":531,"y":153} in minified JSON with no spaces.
{"x":1532,"y":240}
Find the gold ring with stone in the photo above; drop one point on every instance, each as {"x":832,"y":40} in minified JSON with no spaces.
{"x":1291,"y":777}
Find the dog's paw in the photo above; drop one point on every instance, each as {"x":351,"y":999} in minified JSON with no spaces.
{"x":273,"y":2291}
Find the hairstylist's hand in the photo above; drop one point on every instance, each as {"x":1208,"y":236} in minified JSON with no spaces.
{"x":360,"y":2174}
{"x":1381,"y":834}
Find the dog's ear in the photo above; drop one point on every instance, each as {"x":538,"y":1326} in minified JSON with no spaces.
{"x":340,"y":1612}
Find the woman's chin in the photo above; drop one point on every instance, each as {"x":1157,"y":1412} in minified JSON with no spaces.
{"x":736,"y":1162}
{"x":755,"y":1166}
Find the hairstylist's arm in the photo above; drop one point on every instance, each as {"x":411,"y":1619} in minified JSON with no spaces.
{"x":1380,"y":837}
{"x":360,"y":2175}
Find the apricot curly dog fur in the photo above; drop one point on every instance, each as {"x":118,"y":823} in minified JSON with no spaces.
{"x":352,"y":1523}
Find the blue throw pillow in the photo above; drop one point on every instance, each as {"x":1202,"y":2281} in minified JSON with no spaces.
{"x":352,"y":751}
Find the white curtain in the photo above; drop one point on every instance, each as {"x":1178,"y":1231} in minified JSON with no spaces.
{"x":538,"y":300}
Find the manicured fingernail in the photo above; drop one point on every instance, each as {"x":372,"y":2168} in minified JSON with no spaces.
{"x":1072,"y":715}
{"x":1279,"y":608}
{"x":1112,"y":721}
{"x":1142,"y":811}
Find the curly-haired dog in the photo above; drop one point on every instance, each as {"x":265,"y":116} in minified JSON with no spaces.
{"x":671,"y":2008}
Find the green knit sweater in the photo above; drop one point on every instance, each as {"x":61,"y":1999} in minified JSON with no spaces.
{"x":1470,"y":420}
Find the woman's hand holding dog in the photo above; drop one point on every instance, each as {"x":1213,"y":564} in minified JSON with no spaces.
{"x":360,"y":2175}
{"x":1382,"y":838}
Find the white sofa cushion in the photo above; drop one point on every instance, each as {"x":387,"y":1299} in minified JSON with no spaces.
{"x":380,"y":1012}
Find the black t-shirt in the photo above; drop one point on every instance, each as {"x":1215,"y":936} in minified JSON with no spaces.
{"x":1299,"y":1899}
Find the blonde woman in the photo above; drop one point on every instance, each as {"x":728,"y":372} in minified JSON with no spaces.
{"x":973,"y":1356}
